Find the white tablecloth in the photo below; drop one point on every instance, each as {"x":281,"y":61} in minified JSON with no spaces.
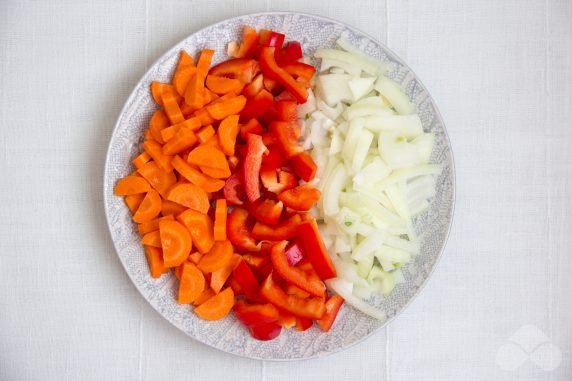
{"x":498,"y":305}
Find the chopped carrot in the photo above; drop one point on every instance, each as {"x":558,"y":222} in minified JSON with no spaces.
{"x":176,"y":242}
{"x":149,"y":226}
{"x":233,"y":162}
{"x":184,"y":139}
{"x":150,"y":207}
{"x":204,"y":296}
{"x":196,"y":256}
{"x":159,"y":121}
{"x":155,"y":261}
{"x":227,"y":132}
{"x":141,"y":159}
{"x":172,"y":109}
{"x":204,"y":156}
{"x":152,"y":239}
{"x":133,"y":201}
{"x":220,"y":220}
{"x":192,"y":283}
{"x":200,"y":226}
{"x":203,"y":115}
{"x":223,"y":85}
{"x":190,"y":196}
{"x":192,"y":174}
{"x":160,"y":180}
{"x":217,"y":173}
{"x":205,"y":133}
{"x":148,"y":136}
{"x":232,"y":106}
{"x":158,"y":89}
{"x":218,"y":306}
{"x":219,"y":277}
{"x":155,"y":150}
{"x":131,"y":185}
{"x":218,"y":256}
{"x":171,"y":208}
{"x":183,"y":73}
{"x":192,"y":123}
{"x":194,"y":92}
{"x":213,"y":142}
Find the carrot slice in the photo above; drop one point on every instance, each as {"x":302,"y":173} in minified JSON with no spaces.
{"x":219,"y":277}
{"x":227,"y":132}
{"x":195,"y":176}
{"x":223,"y":85}
{"x":218,"y":306}
{"x":133,"y":201}
{"x":141,"y":159}
{"x":172,"y":109}
{"x":190,"y":196}
{"x":160,"y":180}
{"x":131,"y":185}
{"x":196,"y":256}
{"x":148,"y":136}
{"x":217,"y":173}
{"x":200,"y":226}
{"x":158,"y":89}
{"x":184,"y":139}
{"x":152,"y":239}
{"x":159,"y":121}
{"x":155,"y":261}
{"x":176,"y":242}
{"x":150,"y":226}
{"x":203,"y":115}
{"x":192,"y":283}
{"x":213,"y":143}
{"x":194,"y":91}
{"x":220,"y":220}
{"x":150,"y":207}
{"x":171,"y":208}
{"x":232,"y":106}
{"x":156,"y":152}
{"x":218,"y":257}
{"x":192,"y":123}
{"x":205,"y":133}
{"x":204,"y":296}
{"x":205,"y":156}
{"x":183,"y":73}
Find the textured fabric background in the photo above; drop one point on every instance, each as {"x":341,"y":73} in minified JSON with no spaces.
{"x":500,"y":72}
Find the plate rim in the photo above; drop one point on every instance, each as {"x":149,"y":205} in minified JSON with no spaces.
{"x":421,"y":85}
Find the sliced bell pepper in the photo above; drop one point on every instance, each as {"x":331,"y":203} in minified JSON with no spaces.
{"x":277,"y":181}
{"x":284,"y":96}
{"x":294,"y":254}
{"x":271,"y":69}
{"x":286,"y":111}
{"x":332,"y":308}
{"x":268,"y":139}
{"x":297,"y":291}
{"x":312,"y":308}
{"x":267,"y":331}
{"x":301,"y":198}
{"x":252,"y":163}
{"x":248,"y":44}
{"x":255,"y":314}
{"x":287,"y":134}
{"x":304,"y":166}
{"x":290,"y":53}
{"x":257,"y":105}
{"x":251,"y":127}
{"x":246,"y":280}
{"x":256,"y":261}
{"x":294,"y":275}
{"x":243,"y":69}
{"x":271,"y":38}
{"x":286,"y":230}
{"x":274,"y":159}
{"x":300,"y":70}
{"x":234,"y":189}
{"x":286,"y":319}
{"x":302,"y":324}
{"x":254,"y":87}
{"x":267,"y":211}
{"x":272,"y":85}
{"x":315,"y":249}
{"x":237,"y":231}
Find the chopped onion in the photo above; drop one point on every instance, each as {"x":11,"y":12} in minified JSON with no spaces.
{"x":344,"y":289}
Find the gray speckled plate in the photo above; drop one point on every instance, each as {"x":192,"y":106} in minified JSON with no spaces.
{"x":228,"y":334}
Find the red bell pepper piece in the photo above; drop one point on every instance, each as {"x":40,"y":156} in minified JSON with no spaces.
{"x":286,"y":319}
{"x":267,"y":211}
{"x":256,"y":261}
{"x":252,"y":163}
{"x":297,"y":291}
{"x":267,"y":331}
{"x":234,"y":189}
{"x":312,"y":308}
{"x":251,"y":127}
{"x":248,"y":44}
{"x":286,"y":230}
{"x":271,"y":38}
{"x":287,"y":134}
{"x":275,"y":159}
{"x":290,"y":53}
{"x":243,"y":69}
{"x":254,"y":87}
{"x":301,"y":198}
{"x":332,"y":308}
{"x":303,"y":324}
{"x":300,"y":70}
{"x":304,"y":166}
{"x":294,"y":254}
{"x":284,"y":96}
{"x":277,"y":181}
{"x":255,"y":314}
{"x":237,"y":231}
{"x":286,"y":111}
{"x":315,"y":249}
{"x":246,"y":280}
{"x":256,"y":106}
{"x":232,"y":283}
{"x":294,"y":275}
{"x":271,"y":69}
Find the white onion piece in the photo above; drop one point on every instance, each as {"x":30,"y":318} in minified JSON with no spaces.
{"x":344,"y":289}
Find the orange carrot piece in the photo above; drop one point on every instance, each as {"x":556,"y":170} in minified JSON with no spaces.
{"x":220,"y":220}
{"x":152,"y":239}
{"x":192,"y":123}
{"x":232,"y":106}
{"x":131,"y":185}
{"x":159,"y":89}
{"x":223,"y":85}
{"x":183,"y":73}
{"x":160,"y":180}
{"x":203,"y":115}
{"x":133,"y":201}
{"x":218,"y":257}
{"x":227,"y":132}
{"x":218,"y":306}
{"x":213,"y":142}
{"x":190,"y":196}
{"x":155,"y":150}
{"x":192,"y":283}
{"x":204,"y":156}
{"x":141,"y":159}
{"x":192,"y":174}
{"x":200,"y":226}
{"x":195,"y":257}
{"x":205,"y":133}
{"x":150,"y":226}
{"x":194,"y":91}
{"x":159,"y":121}
{"x":219,"y":277}
{"x":184,"y":139}
{"x":176,"y":242}
{"x":217,"y":173}
{"x":172,"y":108}
{"x":204,"y":296}
{"x":150,"y":207}
{"x":171,"y":208}
{"x":148,"y":136}
{"x":154,"y":257}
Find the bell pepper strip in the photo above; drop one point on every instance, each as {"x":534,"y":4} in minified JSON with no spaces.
{"x":301,"y":198}
{"x":300,"y":70}
{"x":234,"y":189}
{"x":272,"y":85}
{"x":294,"y":275}
{"x":304,"y":166}
{"x":252,"y":163}
{"x":255,"y":314}
{"x":237,"y":231}
{"x":254,"y":87}
{"x":303,"y":324}
{"x":315,"y":249}
{"x":286,"y":111}
{"x":267,"y":211}
{"x":286,"y":230}
{"x":312,"y":308}
{"x":248,"y":45}
{"x":294,"y":254}
{"x":275,"y":158}
{"x":332,"y":308}
{"x":271,"y":69}
{"x":251,"y":127}
{"x":297,"y":291}
{"x":246,"y":280}
{"x":267,"y":331}
{"x":271,"y":38}
{"x":284,"y":96}
{"x":286,"y":319}
{"x":243,"y":69}
{"x":268,"y":139}
{"x":277,"y":181}
{"x":290,"y":53}
{"x":256,"y":106}
{"x":287,"y":134}
{"x":256,"y":261}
